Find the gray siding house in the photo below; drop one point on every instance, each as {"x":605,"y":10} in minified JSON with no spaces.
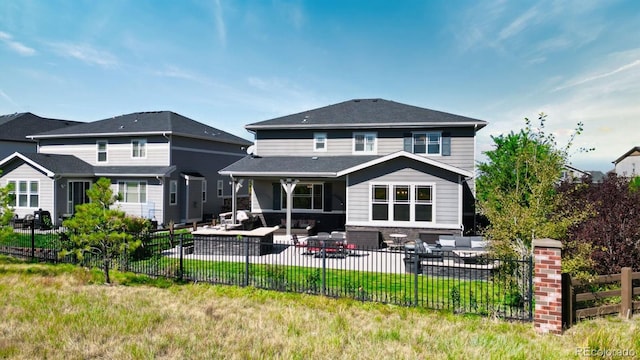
{"x":163,"y":164}
{"x":364,"y":164}
{"x":15,"y":128}
{"x":628,"y":164}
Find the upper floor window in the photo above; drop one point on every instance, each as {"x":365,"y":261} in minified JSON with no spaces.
{"x":204,"y":191}
{"x":173,"y":192}
{"x":364,"y":142}
{"x":133,"y":191}
{"x":427,"y":143}
{"x":320,"y":142}
{"x":102,"y":150}
{"x":24,"y":193}
{"x":139,"y":148}
{"x":220,"y":188}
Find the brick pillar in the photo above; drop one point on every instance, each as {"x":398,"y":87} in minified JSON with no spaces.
{"x":547,"y":284}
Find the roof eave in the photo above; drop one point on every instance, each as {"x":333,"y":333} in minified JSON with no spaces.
{"x":277,"y":174}
{"x":103,"y":134}
{"x":478,"y":124}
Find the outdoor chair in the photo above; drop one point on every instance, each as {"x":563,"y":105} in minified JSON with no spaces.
{"x":425,"y":252}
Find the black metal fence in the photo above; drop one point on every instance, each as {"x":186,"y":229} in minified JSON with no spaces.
{"x":448,"y":280}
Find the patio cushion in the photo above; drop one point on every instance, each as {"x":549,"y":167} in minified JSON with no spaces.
{"x":447,"y":242}
{"x":463,"y":242}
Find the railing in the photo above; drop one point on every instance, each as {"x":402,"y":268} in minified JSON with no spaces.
{"x":484,"y":285}
{"x":585,"y":299}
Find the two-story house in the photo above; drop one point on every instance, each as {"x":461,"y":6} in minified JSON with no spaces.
{"x":628,"y":164}
{"x":368,"y":164}
{"x":164,"y":166}
{"x":14,"y":129}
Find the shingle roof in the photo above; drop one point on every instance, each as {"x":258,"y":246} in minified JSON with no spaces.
{"x":69,"y":165}
{"x":367,"y":113}
{"x":146,"y":123}
{"x":299,"y":165}
{"x":16,"y":127}
{"x":61,"y":164}
{"x":133,"y":170}
{"x":320,"y":166}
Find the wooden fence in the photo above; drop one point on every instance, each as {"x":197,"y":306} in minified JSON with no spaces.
{"x":577,"y":306}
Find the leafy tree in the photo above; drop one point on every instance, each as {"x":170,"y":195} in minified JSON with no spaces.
{"x":516,"y":189}
{"x":612,"y":233}
{"x":98,"y":229}
{"x":6,"y":212}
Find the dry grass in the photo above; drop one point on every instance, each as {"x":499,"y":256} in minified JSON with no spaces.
{"x":55,"y":312}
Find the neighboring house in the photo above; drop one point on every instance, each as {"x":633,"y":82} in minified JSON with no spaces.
{"x":573,"y":174}
{"x":368,"y":164}
{"x":15,"y":128}
{"x":163,"y":164}
{"x":628,"y":165}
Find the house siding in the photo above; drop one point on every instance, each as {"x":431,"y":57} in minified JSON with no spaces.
{"x":404,"y":171}
{"x":340,"y":143}
{"x":9,"y":147}
{"x":206,"y":158}
{"x":629,"y":166}
{"x":118,"y":150}
{"x":153,"y":207}
{"x":23,"y":171}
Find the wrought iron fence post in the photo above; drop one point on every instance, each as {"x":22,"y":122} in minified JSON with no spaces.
{"x":417,"y":267}
{"x":324,"y":267}
{"x":246,"y":261}
{"x":181,"y":267}
{"x":33,"y":239}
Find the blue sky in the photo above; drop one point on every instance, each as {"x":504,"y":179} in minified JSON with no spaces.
{"x":230,"y":63}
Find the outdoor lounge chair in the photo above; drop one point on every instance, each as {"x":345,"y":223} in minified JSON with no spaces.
{"x":425,"y":252}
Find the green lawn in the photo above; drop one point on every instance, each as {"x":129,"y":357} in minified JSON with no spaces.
{"x":64,"y":312}
{"x":484,"y":297}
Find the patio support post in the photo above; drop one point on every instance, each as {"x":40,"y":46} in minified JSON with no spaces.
{"x":235,"y":187}
{"x":289,"y":185}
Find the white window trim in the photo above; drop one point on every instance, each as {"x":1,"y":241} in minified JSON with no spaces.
{"x":412,"y":204}
{"x":142,"y":144}
{"x":365,"y":134}
{"x":16,"y":192}
{"x":316,"y":138}
{"x":106,"y":151}
{"x":426,"y":134}
{"x":204,"y":191}
{"x":172,"y":183}
{"x":146,"y":189}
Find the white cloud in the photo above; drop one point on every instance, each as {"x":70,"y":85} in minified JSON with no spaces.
{"x":15,"y":45}
{"x":599,"y":76}
{"x":220,"y":24}
{"x":519,"y":24}
{"x":7,"y":98}
{"x":603,"y":97}
{"x":86,"y":54}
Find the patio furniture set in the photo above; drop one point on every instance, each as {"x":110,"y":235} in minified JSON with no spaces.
{"x":331,"y":245}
